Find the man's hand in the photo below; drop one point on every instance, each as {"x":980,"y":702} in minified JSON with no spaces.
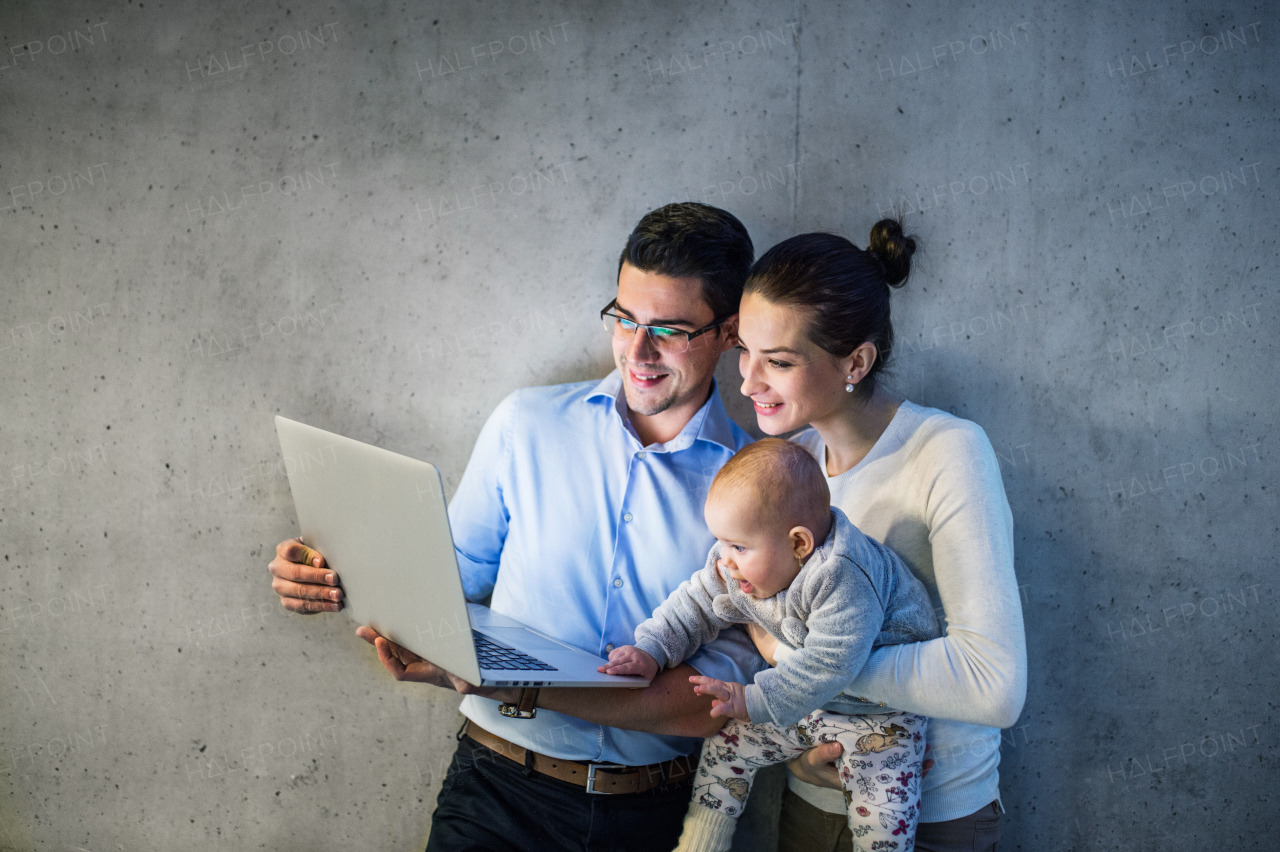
{"x":406,"y":665}
{"x":817,"y":766}
{"x":630,"y":660}
{"x":302,"y":581}
{"x":727,"y":699}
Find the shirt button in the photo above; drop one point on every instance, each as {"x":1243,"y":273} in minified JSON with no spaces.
{"x":627,"y":517}
{"x":617,"y":584}
{"x":608,"y":648}
{"x":641,"y":454}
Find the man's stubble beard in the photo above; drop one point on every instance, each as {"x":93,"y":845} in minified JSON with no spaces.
{"x":647,"y":408}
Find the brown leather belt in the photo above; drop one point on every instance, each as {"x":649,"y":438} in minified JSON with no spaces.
{"x":598,"y":778}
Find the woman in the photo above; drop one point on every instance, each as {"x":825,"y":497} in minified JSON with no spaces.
{"x":815,"y":333}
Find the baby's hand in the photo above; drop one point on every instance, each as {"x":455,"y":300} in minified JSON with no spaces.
{"x":727,"y":699}
{"x":630,"y":660}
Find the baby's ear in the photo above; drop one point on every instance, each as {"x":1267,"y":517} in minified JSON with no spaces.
{"x":802,"y":542}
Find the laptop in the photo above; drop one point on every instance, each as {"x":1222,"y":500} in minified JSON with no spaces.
{"x":380,"y":520}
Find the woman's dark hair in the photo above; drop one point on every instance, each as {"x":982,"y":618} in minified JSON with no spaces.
{"x":845,"y":289}
{"x":692,"y":240}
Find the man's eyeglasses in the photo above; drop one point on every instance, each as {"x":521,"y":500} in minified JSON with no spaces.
{"x":665,"y":338}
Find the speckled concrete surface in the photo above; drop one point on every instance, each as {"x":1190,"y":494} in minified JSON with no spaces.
{"x":382,"y":218}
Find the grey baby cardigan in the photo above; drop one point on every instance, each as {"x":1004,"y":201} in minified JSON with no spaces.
{"x":852,"y":595}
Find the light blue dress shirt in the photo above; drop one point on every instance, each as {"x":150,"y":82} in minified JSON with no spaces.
{"x":580,"y":532}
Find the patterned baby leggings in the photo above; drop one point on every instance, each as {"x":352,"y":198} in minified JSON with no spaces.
{"x":879,"y":769}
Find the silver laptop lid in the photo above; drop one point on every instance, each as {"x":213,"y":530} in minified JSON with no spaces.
{"x":374,"y":514}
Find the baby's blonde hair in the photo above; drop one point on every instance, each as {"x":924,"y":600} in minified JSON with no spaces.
{"x":784,"y":479}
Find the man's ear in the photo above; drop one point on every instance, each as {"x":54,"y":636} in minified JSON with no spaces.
{"x":802,"y":542}
{"x":729,"y":333}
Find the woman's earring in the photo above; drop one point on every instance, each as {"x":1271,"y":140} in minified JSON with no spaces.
{"x":849,"y":387}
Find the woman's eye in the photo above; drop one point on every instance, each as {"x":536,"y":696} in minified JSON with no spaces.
{"x":781,"y":365}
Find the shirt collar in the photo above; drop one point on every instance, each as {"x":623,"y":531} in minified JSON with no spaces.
{"x":710,"y":423}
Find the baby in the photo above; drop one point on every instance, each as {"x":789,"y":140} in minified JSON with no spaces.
{"x":788,"y":561}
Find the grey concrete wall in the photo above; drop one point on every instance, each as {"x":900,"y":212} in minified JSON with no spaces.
{"x":216,"y":212}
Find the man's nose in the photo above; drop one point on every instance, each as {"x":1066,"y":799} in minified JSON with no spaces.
{"x":641,"y":349}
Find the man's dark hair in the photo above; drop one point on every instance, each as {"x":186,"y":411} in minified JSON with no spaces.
{"x":692,"y":240}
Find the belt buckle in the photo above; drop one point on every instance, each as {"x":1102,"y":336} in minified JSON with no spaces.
{"x":591,"y":776}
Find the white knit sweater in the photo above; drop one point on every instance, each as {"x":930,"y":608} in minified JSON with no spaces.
{"x":931,"y":490}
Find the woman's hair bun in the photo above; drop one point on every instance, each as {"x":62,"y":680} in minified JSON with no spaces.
{"x":893,"y":250}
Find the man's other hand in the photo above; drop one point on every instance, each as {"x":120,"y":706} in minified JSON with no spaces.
{"x":817,"y":766}
{"x":408,"y":666}
{"x":301,"y":579}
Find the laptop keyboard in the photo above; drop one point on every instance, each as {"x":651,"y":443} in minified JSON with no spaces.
{"x":495,"y":656}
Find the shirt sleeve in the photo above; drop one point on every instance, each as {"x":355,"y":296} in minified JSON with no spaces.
{"x":478,"y":515}
{"x":977,"y":671}
{"x":686,"y":620}
{"x":843,"y":624}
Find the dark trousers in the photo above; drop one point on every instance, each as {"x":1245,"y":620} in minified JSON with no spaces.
{"x":804,"y":828}
{"x":489,"y":802}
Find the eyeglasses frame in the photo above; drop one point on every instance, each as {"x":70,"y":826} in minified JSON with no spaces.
{"x":715,"y":324}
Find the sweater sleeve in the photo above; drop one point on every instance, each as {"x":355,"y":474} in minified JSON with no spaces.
{"x":844,"y":621}
{"x":977,"y":671}
{"x":686,"y":620}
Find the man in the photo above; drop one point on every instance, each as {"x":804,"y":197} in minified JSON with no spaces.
{"x":580,"y":511}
